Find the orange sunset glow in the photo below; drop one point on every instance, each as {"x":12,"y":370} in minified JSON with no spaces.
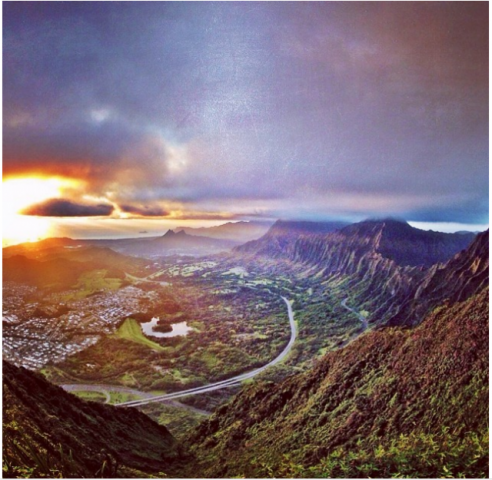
{"x":21,"y":192}
{"x":245,"y":239}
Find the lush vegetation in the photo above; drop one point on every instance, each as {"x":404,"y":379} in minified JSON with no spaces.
{"x":389,"y":393}
{"x":48,"y":432}
{"x":234,"y":330}
{"x":346,"y":402}
{"x":83,"y":269}
{"x":414,"y":455}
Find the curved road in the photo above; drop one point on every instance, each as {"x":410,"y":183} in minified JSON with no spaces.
{"x":359,"y":316}
{"x":105,"y":389}
{"x":206,"y":388}
{"x":224,"y":383}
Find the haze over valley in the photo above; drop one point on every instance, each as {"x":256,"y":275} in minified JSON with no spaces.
{"x":245,"y":240}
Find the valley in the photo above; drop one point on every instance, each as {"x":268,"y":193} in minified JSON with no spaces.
{"x":181,"y":337}
{"x":87,"y":329}
{"x":193,"y":391}
{"x":245,"y":239}
{"x":236,"y":321}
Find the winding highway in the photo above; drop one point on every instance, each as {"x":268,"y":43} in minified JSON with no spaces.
{"x":105,"y":389}
{"x":224,"y":383}
{"x":355,"y":312}
{"x":206,"y":388}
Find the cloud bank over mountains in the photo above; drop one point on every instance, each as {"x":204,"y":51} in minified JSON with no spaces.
{"x":218,"y":110}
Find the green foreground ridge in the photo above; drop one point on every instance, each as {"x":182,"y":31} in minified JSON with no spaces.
{"x":394,"y":402}
{"x":411,"y":403}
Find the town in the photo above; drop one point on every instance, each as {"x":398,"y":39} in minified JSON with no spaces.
{"x":32,"y":337}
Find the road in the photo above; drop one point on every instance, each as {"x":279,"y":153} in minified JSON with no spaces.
{"x":145,"y":279}
{"x":105,"y":389}
{"x":359,"y":316}
{"x":225,"y":383}
{"x":151,"y":398}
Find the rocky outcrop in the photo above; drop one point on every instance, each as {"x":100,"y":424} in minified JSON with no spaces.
{"x":392,"y":239}
{"x":389,"y":239}
{"x":279,"y":241}
{"x":462,"y":276}
{"x":381,"y":263}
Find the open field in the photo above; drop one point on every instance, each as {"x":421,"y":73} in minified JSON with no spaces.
{"x":242,"y":326}
{"x":130,"y":330}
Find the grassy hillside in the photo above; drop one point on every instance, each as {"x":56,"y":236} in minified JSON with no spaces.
{"x":50,"y":433}
{"x":392,"y":403}
{"x":61,"y":269}
{"x":131,"y":330}
{"x":53,"y":274}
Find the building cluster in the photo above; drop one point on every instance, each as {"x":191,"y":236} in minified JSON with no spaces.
{"x":32,"y":341}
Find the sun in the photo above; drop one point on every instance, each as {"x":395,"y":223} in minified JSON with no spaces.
{"x":20,"y":192}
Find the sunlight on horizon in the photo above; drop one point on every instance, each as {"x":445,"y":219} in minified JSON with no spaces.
{"x":19,"y":193}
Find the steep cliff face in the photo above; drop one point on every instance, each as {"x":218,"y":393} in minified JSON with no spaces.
{"x":466,"y":273}
{"x":409,"y":246}
{"x":46,"y":428}
{"x":379,"y":263}
{"x":394,"y":240}
{"x":406,"y":402}
{"x":375,"y":283}
{"x":279,"y":241}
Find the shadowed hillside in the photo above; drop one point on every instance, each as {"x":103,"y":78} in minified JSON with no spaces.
{"x":315,"y":242}
{"x":280,"y":239}
{"x":467,"y":272}
{"x":46,"y":428}
{"x":394,"y":402}
{"x":380,"y":262}
{"x":406,"y":402}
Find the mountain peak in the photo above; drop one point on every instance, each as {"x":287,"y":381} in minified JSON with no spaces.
{"x":172,"y":234}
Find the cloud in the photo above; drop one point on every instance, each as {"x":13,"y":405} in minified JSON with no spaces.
{"x":178,"y":106}
{"x":145,"y":211}
{"x":66,"y":208}
{"x":113,"y":152}
{"x":201,"y":215}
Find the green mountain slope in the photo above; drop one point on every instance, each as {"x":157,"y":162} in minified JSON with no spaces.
{"x":394,"y":402}
{"x":45,"y":428}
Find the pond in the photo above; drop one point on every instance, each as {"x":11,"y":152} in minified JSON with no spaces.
{"x":178,"y":329}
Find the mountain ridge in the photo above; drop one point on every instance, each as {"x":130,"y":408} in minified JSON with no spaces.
{"x":362,"y":410}
{"x":241,"y":231}
{"x":379,"y":261}
{"x":367,"y":403}
{"x":38,"y":417}
{"x":455,"y":280}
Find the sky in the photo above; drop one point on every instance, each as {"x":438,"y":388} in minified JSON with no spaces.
{"x":129,"y":117}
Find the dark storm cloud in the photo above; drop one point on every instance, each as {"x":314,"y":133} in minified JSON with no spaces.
{"x":384,"y":103}
{"x":92,"y":151}
{"x":65,"y":208}
{"x":108,"y":156}
{"x":146,"y":211}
